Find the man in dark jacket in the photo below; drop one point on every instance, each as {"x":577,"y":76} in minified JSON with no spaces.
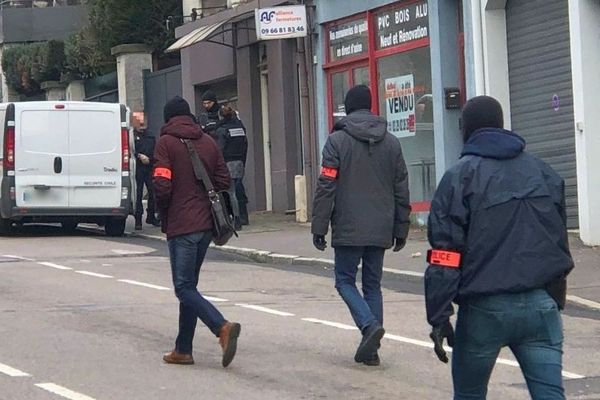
{"x":231,"y":137}
{"x":209,"y":118}
{"x":144,"y":160}
{"x":187,"y":221}
{"x":363,"y":191}
{"x":497,"y":227}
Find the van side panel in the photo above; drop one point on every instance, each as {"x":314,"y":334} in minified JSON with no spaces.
{"x":95,"y":158}
{"x":41,"y":158}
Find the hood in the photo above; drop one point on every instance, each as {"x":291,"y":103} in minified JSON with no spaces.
{"x":497,"y":143}
{"x":363,"y":126}
{"x":183,"y":127}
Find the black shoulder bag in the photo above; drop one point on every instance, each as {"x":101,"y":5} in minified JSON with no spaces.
{"x":220,"y":206}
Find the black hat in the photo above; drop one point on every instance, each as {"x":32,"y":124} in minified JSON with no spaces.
{"x":358,"y":98}
{"x":209,"y":95}
{"x":176,"y":106}
{"x":481,"y":112}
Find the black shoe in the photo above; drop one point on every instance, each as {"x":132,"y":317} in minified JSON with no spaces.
{"x":237,"y":225}
{"x":373,"y":361}
{"x":138,"y":224}
{"x":368,"y":345}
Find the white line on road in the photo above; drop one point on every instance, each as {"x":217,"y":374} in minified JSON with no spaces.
{"x":265,"y":309}
{"x":17,"y":257}
{"x":583,"y":302}
{"x":148,"y":285}
{"x":123,"y":252}
{"x":52,"y":265}
{"x":13,"y":372}
{"x":329,"y":323}
{"x":94,"y":274}
{"x":215,"y":299}
{"x":62,"y":391}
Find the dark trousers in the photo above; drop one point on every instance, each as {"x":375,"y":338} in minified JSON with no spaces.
{"x":187,"y":254}
{"x":242,"y":199}
{"x":143,"y":176}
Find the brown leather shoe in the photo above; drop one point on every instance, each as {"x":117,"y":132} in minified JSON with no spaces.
{"x":174,"y":357}
{"x":228,"y":336}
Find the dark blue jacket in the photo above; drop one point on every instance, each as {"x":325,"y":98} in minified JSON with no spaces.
{"x":504,"y":211}
{"x":144,"y":144}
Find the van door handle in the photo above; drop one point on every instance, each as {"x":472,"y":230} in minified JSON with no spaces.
{"x":41,"y":187}
{"x":57,"y":165}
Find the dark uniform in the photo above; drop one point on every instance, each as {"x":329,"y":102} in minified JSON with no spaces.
{"x":232,"y":140}
{"x":144,"y":144}
{"x":209,"y":120}
{"x":497,"y":227}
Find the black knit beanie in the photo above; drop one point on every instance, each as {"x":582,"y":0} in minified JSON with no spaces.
{"x":175,"y":107}
{"x":481,"y":112}
{"x":209,"y":95}
{"x":358,"y":98}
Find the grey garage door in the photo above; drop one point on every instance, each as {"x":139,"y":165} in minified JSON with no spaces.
{"x":541,"y":91}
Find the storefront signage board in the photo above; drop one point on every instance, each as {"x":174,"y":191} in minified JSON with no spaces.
{"x":400,"y":105}
{"x":348,"y":39}
{"x":283,"y":22}
{"x":402,"y":25}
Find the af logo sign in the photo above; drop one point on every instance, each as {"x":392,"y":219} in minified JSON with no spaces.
{"x":266,"y":17}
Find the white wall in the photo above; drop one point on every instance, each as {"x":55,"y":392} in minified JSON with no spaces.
{"x":585,"y":60}
{"x":189,"y":4}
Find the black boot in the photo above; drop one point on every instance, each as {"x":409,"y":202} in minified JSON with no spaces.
{"x":138,"y":222}
{"x":244,"y":214}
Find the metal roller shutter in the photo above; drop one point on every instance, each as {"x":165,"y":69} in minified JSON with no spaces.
{"x":541,"y":92}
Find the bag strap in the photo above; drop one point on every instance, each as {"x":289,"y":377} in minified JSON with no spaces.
{"x":199,"y":168}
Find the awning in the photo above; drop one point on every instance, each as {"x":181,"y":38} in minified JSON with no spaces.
{"x":196,"y":36}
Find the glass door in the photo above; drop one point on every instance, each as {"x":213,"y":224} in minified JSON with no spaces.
{"x":340,"y":81}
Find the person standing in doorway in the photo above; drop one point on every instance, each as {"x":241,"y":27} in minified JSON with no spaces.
{"x":209,"y":118}
{"x":232,"y":140}
{"x":363,"y":192}
{"x":187,"y":221}
{"x":500,"y":250}
{"x":144,"y":160}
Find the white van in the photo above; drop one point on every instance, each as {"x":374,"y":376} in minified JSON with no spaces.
{"x":66,"y":162}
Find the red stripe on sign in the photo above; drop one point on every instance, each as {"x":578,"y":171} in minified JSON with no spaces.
{"x":444,"y":258}
{"x":163,"y":173}
{"x":330,"y":173}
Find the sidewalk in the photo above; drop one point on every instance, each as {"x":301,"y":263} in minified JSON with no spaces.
{"x":276,"y":238}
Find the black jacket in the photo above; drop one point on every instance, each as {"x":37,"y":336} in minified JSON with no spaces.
{"x":144,"y":144}
{"x":232,"y":140}
{"x":363,"y":188}
{"x":209,"y":120}
{"x":504,"y":211}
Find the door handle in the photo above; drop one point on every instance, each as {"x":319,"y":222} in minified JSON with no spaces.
{"x":57,"y":165}
{"x":41,"y":187}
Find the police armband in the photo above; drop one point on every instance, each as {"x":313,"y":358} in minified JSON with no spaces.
{"x":444,"y":258}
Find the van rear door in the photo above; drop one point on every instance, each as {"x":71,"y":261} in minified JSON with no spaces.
{"x":41,"y":156}
{"x":95,"y":155}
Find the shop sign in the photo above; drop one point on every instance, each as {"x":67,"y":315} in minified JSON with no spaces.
{"x":402,"y":25}
{"x":348,"y":39}
{"x":400,"y":105}
{"x":280,"y":22}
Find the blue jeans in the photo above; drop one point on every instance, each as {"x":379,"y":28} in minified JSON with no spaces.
{"x":187,"y":254}
{"x":528,"y":323}
{"x":368,"y":309}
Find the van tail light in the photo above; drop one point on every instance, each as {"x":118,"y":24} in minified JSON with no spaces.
{"x":9,"y":148}
{"x":125,"y":149}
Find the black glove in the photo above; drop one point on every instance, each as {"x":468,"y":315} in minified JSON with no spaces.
{"x":399,"y":244}
{"x":319,"y":242}
{"x":437,"y":335}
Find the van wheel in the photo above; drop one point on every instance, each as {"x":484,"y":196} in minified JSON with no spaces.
{"x":69,"y":226}
{"x":115,"y":226}
{"x":5,"y":227}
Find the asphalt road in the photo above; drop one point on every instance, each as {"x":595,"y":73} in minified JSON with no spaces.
{"x":87,"y":317}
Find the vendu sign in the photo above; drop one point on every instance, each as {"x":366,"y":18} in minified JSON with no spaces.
{"x":280,"y":22}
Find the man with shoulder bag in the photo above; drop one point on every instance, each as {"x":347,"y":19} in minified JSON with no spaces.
{"x":187,"y":220}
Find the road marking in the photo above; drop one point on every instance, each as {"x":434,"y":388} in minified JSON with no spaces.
{"x":62,"y":391}
{"x":329,"y":323}
{"x":85,"y":261}
{"x":265,"y":309}
{"x":127,"y":252}
{"x":143,"y":235}
{"x":148,"y":285}
{"x":18,"y":257}
{"x":94,"y":274}
{"x":583,"y":302}
{"x":215,"y":299}
{"x":13,"y":372}
{"x":107,"y":265}
{"x":52,"y":265}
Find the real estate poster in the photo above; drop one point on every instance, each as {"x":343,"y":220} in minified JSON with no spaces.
{"x":400,"y":105}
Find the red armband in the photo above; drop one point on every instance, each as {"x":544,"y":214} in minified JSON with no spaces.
{"x":444,"y":258}
{"x":329,"y":172}
{"x":162,"y":173}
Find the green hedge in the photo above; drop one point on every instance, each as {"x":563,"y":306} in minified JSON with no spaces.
{"x":26,"y":66}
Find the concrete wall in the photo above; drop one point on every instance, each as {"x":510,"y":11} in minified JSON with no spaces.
{"x":39,"y":24}
{"x":585,"y":37}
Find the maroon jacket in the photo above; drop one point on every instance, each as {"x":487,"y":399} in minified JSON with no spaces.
{"x":183,"y":204}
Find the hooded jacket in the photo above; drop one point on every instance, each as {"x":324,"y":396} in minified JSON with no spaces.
{"x":504,"y":211}
{"x":363,"y":186}
{"x":184,"y":205}
{"x":209,"y":120}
